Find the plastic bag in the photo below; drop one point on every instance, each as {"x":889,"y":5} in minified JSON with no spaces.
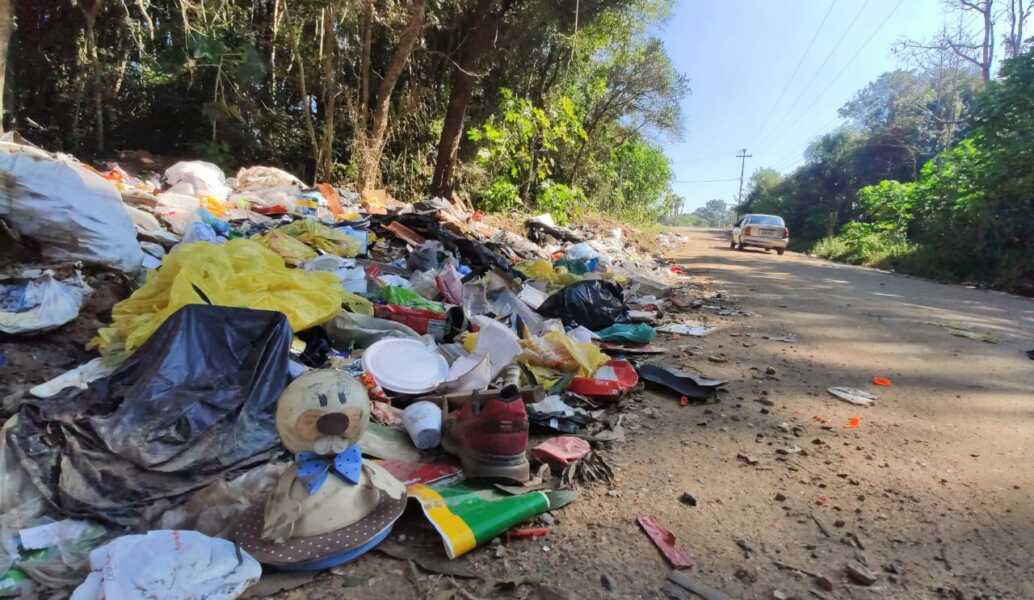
{"x":201,"y":232}
{"x":638,"y":333}
{"x":581,"y":251}
{"x":78,"y":377}
{"x":74,"y":213}
{"x":596,"y":304}
{"x":264,"y":178}
{"x":556,"y":350}
{"x":540,"y":269}
{"x":168,"y":564}
{"x":238,"y":273}
{"x":196,"y":401}
{"x":425,"y":283}
{"x":349,"y":331}
{"x":450,"y":284}
{"x":320,"y":237}
{"x":205,"y":178}
{"x":401,"y":296}
{"x":41,"y":304}
{"x":178,"y":211}
{"x":293,"y":251}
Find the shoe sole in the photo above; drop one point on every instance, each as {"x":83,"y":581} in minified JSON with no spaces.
{"x":475,"y":465}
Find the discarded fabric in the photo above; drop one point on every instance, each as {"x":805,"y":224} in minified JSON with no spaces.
{"x":168,"y":564}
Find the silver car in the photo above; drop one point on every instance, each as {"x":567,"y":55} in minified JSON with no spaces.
{"x":761,"y":231}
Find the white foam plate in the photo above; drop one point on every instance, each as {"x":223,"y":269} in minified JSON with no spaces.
{"x":405,"y":366}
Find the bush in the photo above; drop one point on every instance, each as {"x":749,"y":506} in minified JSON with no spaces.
{"x":866,"y":244}
{"x":561,"y":201}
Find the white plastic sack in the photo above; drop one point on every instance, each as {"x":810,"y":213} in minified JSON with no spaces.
{"x":206,"y":178}
{"x":50,"y":303}
{"x":168,"y":564}
{"x":264,"y":178}
{"x":74,"y":213}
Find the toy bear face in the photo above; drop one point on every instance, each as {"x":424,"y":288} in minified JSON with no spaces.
{"x":323,"y":411}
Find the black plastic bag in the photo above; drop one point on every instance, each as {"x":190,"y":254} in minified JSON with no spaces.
{"x":595,"y":303}
{"x":195,"y":401}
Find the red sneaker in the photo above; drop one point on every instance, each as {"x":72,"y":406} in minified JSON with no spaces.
{"x":490,"y":436}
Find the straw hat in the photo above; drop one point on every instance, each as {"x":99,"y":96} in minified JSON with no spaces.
{"x":324,"y":412}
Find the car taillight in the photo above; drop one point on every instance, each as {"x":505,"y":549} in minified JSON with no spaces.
{"x":747,"y":231}
{"x":786,"y":233}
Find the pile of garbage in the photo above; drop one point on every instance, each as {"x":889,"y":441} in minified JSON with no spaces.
{"x":297,"y":362}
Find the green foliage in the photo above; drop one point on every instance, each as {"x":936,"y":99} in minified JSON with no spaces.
{"x":715,"y":213}
{"x":561,"y":201}
{"x":970,"y":214}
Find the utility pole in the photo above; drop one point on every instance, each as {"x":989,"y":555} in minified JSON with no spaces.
{"x":743,"y":165}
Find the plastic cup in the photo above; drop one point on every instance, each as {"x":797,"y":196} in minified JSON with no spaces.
{"x":423,"y":422}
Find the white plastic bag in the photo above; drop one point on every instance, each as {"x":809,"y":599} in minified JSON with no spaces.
{"x":260,"y":178}
{"x":74,"y":213}
{"x":47,"y":304}
{"x":168,"y":564}
{"x":206,"y":178}
{"x":177,"y":210}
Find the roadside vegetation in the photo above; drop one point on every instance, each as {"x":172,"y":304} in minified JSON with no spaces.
{"x":932,"y":175}
{"x":524,"y":105}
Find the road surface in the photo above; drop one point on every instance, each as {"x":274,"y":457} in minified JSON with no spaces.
{"x":933,"y":489}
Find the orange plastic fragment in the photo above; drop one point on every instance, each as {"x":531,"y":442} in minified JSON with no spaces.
{"x":854,"y":422}
{"x":882,"y":381}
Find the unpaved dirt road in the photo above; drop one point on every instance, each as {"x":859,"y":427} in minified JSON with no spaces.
{"x":933,"y":490}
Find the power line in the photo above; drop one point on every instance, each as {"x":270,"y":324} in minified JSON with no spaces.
{"x":851,"y":61}
{"x":818,"y":71}
{"x":706,"y":180}
{"x":796,"y":69}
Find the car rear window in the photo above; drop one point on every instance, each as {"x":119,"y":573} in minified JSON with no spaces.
{"x":766,"y":220}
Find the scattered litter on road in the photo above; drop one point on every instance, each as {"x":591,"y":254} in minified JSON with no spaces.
{"x":665,"y":542}
{"x":691,"y":329}
{"x":682,"y":383}
{"x":681,"y":581}
{"x":853,"y":395}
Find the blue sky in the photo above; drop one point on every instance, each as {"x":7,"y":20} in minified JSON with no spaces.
{"x":740,"y":55}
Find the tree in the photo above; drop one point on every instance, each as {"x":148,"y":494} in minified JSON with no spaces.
{"x":480,"y":23}
{"x":6,"y":25}
{"x":976,"y":48}
{"x":372,"y":128}
{"x":1018,"y":14}
{"x":715,"y":213}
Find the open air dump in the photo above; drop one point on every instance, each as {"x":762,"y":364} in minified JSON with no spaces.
{"x":245,"y":387}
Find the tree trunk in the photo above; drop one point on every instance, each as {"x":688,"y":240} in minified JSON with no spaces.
{"x":90,"y":18}
{"x":987,"y":52}
{"x":369,"y":174}
{"x":330,"y":92}
{"x":6,"y":23}
{"x":480,"y":23}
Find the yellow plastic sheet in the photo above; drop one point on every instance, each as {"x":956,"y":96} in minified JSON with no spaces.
{"x":238,"y":273}
{"x":294,"y":252}
{"x":321,"y":237}
{"x":539,"y":269}
{"x":557,"y":350}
